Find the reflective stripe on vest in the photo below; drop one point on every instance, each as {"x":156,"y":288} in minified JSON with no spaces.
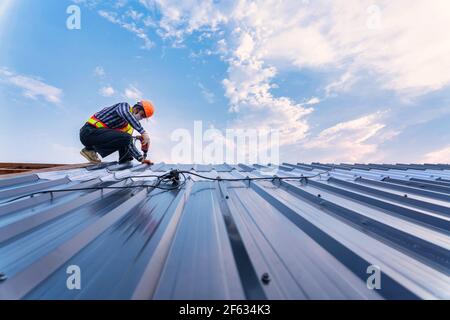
{"x":99,"y":124}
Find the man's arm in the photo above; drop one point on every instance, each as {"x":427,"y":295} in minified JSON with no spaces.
{"x":135,"y":152}
{"x":123,"y":110}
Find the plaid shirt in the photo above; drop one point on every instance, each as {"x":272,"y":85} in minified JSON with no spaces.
{"x":118,"y":116}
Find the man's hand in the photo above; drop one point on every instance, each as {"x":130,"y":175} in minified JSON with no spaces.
{"x":145,"y":139}
{"x":147,"y":162}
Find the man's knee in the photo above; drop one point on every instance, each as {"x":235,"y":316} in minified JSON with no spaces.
{"x":128,"y":138}
{"x":124,"y":139}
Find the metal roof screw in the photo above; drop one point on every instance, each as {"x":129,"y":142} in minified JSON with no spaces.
{"x":319,"y":196}
{"x":265,"y":278}
{"x":227,"y":197}
{"x":405,"y":195}
{"x":3,"y":277}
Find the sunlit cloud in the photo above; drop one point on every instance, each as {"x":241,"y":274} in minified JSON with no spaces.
{"x":32,"y":87}
{"x":107,"y":91}
{"x":132,"y":93}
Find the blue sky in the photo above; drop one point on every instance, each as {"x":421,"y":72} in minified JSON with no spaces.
{"x":343,"y":81}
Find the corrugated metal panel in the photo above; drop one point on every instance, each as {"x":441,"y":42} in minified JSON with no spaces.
{"x":251,"y":239}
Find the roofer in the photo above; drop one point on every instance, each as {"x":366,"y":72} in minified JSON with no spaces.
{"x":111,"y":129}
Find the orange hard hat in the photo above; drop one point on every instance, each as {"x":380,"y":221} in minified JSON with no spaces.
{"x":148,"y":108}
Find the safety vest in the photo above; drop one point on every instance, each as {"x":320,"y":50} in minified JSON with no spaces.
{"x":99,"y":124}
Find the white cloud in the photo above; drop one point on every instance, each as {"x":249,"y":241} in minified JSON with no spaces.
{"x":181,"y":18}
{"x":107,"y":91}
{"x":133,"y":93}
{"x":354,"y":140}
{"x":207,"y":95}
{"x":120,"y":3}
{"x":438,"y":156}
{"x":134,"y":15}
{"x":387,"y":38}
{"x":343,"y":84}
{"x":406,"y":56}
{"x":33,"y":88}
{"x":88,"y":3}
{"x":403,"y":46}
{"x":349,"y":35}
{"x":249,"y":78}
{"x":313,"y":101}
{"x":99,"y":71}
{"x":129,"y":26}
{"x":248,"y":88}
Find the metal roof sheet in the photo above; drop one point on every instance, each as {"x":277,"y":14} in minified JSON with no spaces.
{"x":250,"y":239}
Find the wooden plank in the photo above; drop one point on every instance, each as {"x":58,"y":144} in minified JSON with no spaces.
{"x":8,"y":171}
{"x":57,"y":167}
{"x":19,"y":165}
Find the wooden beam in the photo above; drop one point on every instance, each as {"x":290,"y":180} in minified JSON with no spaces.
{"x":28,"y":168}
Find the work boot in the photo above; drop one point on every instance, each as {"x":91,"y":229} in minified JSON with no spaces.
{"x":90,"y":155}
